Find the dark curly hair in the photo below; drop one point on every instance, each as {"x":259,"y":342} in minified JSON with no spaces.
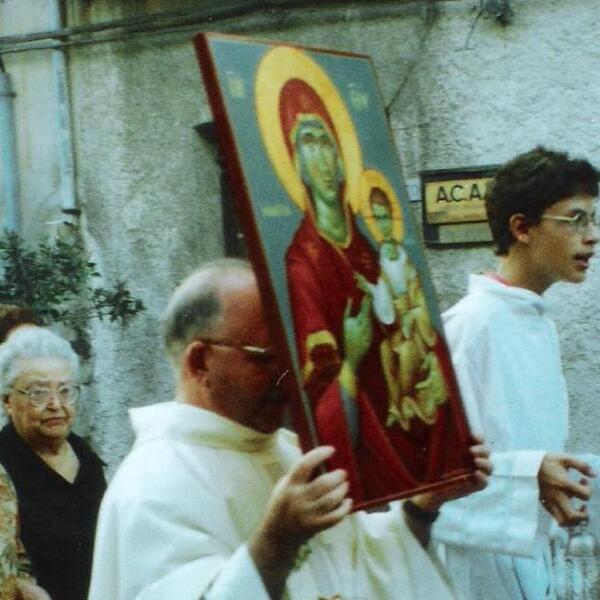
{"x":532,"y":182}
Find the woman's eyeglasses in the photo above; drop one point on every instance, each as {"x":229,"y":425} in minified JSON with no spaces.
{"x":40,"y":396}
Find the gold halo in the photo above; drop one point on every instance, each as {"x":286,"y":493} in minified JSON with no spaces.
{"x":374,"y":179}
{"x":276,"y":68}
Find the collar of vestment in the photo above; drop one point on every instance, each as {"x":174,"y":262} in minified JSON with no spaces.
{"x":193,"y":425}
{"x":521,"y":298}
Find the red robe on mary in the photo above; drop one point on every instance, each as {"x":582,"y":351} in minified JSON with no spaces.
{"x":385,"y":459}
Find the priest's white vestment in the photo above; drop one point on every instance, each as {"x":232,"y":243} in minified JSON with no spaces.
{"x":506,"y":356}
{"x":177,"y":515}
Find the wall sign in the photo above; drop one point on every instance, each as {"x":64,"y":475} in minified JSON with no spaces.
{"x":453,"y":203}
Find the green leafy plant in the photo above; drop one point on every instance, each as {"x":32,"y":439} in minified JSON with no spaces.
{"x":55,"y":280}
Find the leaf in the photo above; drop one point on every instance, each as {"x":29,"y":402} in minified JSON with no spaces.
{"x":53,"y":278}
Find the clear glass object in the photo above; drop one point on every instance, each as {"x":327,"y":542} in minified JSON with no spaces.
{"x":581,"y":575}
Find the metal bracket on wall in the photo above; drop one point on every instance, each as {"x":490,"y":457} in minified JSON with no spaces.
{"x":232,"y":235}
{"x":498,"y":10}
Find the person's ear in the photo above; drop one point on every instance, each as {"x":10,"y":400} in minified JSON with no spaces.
{"x":6,"y":403}
{"x":519,"y":227}
{"x":194,"y":359}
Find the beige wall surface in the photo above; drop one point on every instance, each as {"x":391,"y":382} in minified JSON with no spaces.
{"x":462,"y":91}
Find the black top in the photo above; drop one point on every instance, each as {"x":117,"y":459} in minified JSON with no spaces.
{"x":57,"y":518}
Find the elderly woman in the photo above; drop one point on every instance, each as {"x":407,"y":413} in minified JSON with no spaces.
{"x":59,"y":480}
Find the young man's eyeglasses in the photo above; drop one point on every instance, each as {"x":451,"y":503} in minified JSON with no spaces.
{"x":40,"y":396}
{"x":580,"y":221}
{"x":256,"y":353}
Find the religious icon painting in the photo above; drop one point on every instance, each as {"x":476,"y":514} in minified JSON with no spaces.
{"x":328,"y":225}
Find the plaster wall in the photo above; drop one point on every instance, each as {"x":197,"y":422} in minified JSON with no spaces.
{"x":462,"y":92}
{"x":36,"y":108}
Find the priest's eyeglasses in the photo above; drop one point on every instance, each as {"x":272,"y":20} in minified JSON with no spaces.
{"x":580,"y":221}
{"x":39,"y":397}
{"x":255,"y":353}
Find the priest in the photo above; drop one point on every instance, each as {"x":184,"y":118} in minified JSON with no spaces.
{"x":215,"y":501}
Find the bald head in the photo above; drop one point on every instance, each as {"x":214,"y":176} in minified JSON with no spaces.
{"x":196,"y":307}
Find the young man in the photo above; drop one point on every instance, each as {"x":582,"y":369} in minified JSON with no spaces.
{"x":541,"y":210}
